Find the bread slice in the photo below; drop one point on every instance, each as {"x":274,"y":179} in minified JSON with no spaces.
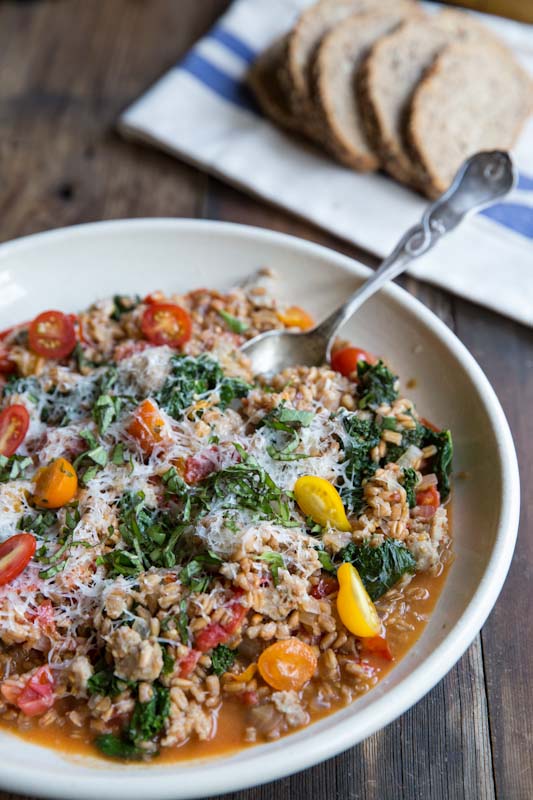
{"x":389,"y":76}
{"x":263,"y":78}
{"x":302,"y":43}
{"x":334,"y":93}
{"x":474,"y":97}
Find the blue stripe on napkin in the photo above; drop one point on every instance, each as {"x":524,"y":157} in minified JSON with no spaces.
{"x":514,"y":216}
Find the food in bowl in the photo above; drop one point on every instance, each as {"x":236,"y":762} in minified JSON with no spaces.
{"x":191,"y":556}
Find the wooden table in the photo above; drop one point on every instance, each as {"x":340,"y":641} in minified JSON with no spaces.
{"x":67,"y":68}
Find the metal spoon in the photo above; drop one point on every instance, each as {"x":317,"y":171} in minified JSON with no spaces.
{"x":481,"y":180}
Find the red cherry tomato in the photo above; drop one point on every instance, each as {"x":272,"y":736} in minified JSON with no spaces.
{"x":15,"y":555}
{"x":428,"y":497}
{"x":165,"y":323}
{"x":377,"y":645}
{"x":14,"y":424}
{"x":345,"y":360}
{"x":52,"y":335}
{"x":216,"y":633}
{"x":6,"y":365}
{"x":38,"y":694}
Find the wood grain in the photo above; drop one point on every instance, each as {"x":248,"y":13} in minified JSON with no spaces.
{"x":67,"y":68}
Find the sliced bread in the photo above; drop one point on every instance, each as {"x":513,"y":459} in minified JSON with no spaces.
{"x":334,"y":93}
{"x":474,"y":97}
{"x":263,"y":77}
{"x":390,"y":73}
{"x":302,"y":43}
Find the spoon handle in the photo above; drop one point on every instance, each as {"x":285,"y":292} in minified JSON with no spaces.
{"x":481,"y":180}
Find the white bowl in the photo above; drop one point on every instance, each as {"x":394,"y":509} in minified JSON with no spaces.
{"x":69,"y":268}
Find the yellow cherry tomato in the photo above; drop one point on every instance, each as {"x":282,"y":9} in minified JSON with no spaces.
{"x":243,"y":677}
{"x":356,"y":609}
{"x":148,"y":426}
{"x":319,"y":500}
{"x":296,"y":317}
{"x":55,"y":485}
{"x":287,"y":664}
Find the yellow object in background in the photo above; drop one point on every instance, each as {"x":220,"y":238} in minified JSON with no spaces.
{"x":514,"y":9}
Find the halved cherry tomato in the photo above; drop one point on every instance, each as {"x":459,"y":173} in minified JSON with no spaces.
{"x":356,"y":609}
{"x":36,"y":697}
{"x":287,"y":664}
{"x":345,"y":360}
{"x":166,"y":323}
{"x":15,"y":555}
{"x":148,"y":426}
{"x":14,"y":424}
{"x":52,"y":335}
{"x":7,"y":366}
{"x":320,"y":500}
{"x":296,"y":317}
{"x":55,"y":485}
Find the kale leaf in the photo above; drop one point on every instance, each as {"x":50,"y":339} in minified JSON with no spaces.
{"x":192,"y":379}
{"x":362,"y":435}
{"x":122,"y":304}
{"x":117,"y":747}
{"x":149,"y":718}
{"x":409,"y":481}
{"x":105,"y":682}
{"x":379,"y":567}
{"x":376,"y":384}
{"x":222,"y":658}
{"x":423,"y":436}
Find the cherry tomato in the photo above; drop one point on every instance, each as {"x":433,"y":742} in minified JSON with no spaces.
{"x":55,"y":485}
{"x":165,"y":323}
{"x":38,"y":694}
{"x":52,"y":335}
{"x":7,"y":366}
{"x":148,"y":426}
{"x":287,"y":664}
{"x":296,"y":317}
{"x":15,"y":555}
{"x":14,"y":424}
{"x":345,"y":360}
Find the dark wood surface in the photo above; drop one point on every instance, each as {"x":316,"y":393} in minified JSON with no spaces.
{"x":67,"y":68}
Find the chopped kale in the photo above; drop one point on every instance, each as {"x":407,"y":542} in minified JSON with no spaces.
{"x":409,"y":481}
{"x":123,"y":305}
{"x":379,"y":567}
{"x":377,"y":384}
{"x":222,"y":658}
{"x":168,"y":663}
{"x":13,"y":467}
{"x":423,"y":436}
{"x":117,"y":747}
{"x":105,"y":682}
{"x":362,"y":435}
{"x":193,"y":379}
{"x":148,"y":719}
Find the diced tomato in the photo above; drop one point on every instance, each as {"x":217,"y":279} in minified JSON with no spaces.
{"x":130,"y":348}
{"x":211,"y":459}
{"x":249,"y":698}
{"x":52,"y":335}
{"x":326,"y":585}
{"x":15,"y":555}
{"x":427,"y":502}
{"x":38,"y":694}
{"x":377,"y":645}
{"x":345,"y":360}
{"x":43,"y":616}
{"x":14,"y":424}
{"x":188,"y":663}
{"x":7,"y":366}
{"x":215,"y":633}
{"x":166,"y":323}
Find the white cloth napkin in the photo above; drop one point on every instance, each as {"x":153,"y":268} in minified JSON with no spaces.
{"x":202,"y":112}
